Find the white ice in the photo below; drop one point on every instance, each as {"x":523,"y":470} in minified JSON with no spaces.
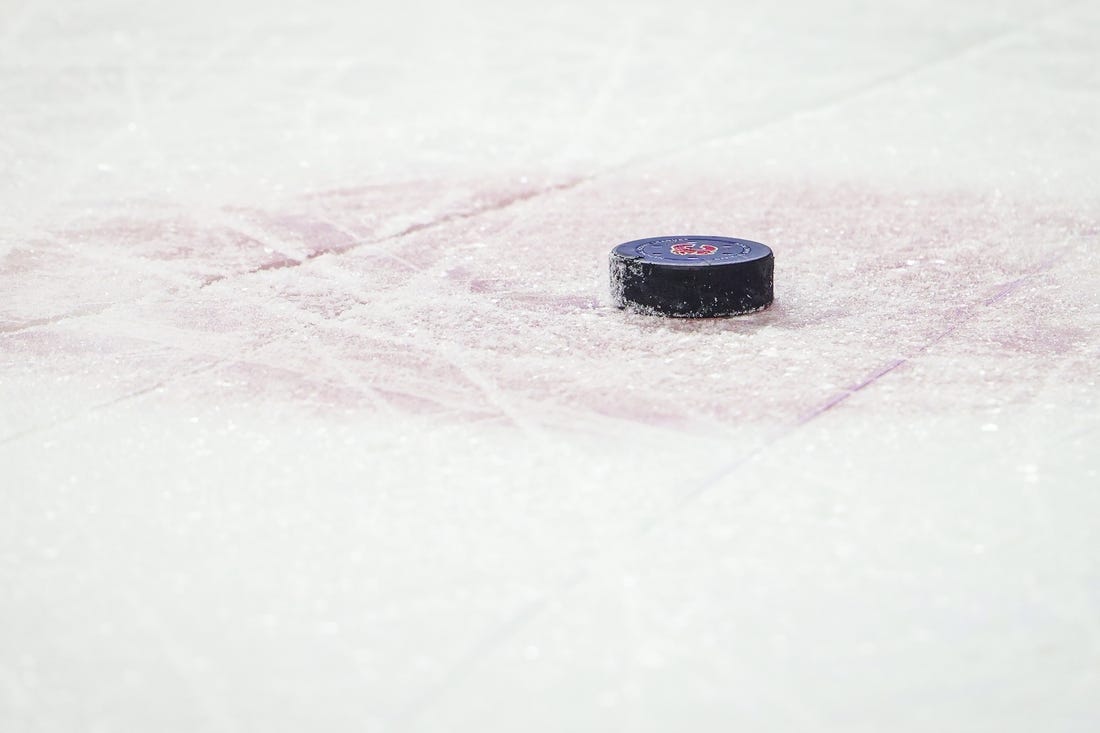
{"x":315,"y":416}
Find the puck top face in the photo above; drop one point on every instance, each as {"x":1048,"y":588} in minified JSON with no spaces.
{"x":689,"y":251}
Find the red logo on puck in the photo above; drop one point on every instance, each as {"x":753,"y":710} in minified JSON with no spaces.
{"x":693,"y":248}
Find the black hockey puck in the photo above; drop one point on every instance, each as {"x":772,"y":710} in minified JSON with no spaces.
{"x":692,"y":277}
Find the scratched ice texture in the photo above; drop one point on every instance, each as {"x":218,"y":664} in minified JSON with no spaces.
{"x":315,"y":414}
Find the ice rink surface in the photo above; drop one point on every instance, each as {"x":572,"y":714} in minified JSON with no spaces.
{"x":315,"y":416}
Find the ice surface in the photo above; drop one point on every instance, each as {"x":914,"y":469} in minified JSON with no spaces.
{"x":315,"y":414}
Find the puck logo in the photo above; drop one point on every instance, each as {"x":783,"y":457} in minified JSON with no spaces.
{"x":693,"y":248}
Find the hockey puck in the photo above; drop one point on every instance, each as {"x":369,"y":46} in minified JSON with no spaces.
{"x":692,"y":277}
